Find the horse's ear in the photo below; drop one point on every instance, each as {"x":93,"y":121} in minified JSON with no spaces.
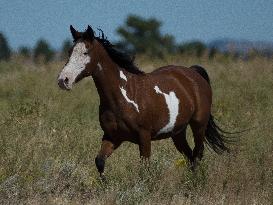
{"x":90,"y":32}
{"x":74,"y":33}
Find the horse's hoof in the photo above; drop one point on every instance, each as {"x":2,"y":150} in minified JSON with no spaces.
{"x":102,"y":177}
{"x":100,"y":163}
{"x":193,"y":165}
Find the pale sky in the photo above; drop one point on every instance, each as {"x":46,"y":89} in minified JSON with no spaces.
{"x":25,"y":21}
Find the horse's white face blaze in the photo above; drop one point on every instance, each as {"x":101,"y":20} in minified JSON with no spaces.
{"x":173,"y":106}
{"x":124,"y":93}
{"x":76,"y":64}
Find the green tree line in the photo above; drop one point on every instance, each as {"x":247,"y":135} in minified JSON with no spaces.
{"x":138,"y":35}
{"x":42,"y":52}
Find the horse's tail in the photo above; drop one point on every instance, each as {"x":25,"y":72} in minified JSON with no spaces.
{"x":215,"y":136}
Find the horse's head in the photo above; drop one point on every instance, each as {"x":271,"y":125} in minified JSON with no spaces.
{"x":82,"y":58}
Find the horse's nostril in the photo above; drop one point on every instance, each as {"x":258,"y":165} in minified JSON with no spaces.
{"x":64,"y":83}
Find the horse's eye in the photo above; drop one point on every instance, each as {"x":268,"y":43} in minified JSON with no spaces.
{"x":85,"y":53}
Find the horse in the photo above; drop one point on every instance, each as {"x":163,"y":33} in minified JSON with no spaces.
{"x":142,"y":107}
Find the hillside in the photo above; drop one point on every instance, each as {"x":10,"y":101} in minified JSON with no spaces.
{"x":242,"y":46}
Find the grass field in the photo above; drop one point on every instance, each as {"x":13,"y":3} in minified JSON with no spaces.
{"x":49,"y":139}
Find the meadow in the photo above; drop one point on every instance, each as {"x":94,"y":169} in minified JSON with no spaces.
{"x":49,"y":139}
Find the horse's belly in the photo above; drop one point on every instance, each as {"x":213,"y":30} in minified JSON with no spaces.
{"x":176,"y":130}
{"x":161,"y":136}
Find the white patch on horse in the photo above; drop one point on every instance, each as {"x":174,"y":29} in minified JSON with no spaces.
{"x":173,"y":105}
{"x":100,"y":67}
{"x":76,"y":63}
{"x":124,"y":93}
{"x":122,"y":76}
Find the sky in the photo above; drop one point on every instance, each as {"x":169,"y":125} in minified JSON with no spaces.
{"x":23,"y":22}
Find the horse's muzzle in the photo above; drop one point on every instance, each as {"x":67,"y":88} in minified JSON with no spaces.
{"x":63,"y":84}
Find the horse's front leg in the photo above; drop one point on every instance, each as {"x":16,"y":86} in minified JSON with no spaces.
{"x":144,"y":145}
{"x":107,"y":148}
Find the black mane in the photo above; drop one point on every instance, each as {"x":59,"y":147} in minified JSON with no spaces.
{"x":122,"y":59}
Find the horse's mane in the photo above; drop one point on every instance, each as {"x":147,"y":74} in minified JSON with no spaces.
{"x":122,"y":59}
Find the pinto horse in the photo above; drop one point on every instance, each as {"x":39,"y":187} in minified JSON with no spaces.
{"x":141,"y":107}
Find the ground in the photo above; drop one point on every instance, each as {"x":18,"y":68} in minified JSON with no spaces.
{"x":49,"y":139}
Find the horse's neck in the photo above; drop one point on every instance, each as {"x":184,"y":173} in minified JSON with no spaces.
{"x":106,"y":79}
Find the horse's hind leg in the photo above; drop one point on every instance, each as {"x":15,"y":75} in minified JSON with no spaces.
{"x":198,"y":130}
{"x":182,"y":145}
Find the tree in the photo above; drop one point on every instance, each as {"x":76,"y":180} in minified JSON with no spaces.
{"x":24,"y":51}
{"x":5,"y":51}
{"x":212,"y":52}
{"x":43,"y":52}
{"x":67,"y":45}
{"x":195,"y":48}
{"x":140,"y":35}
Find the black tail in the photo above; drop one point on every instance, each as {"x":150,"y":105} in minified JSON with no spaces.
{"x":201,"y":71}
{"x":215,"y":136}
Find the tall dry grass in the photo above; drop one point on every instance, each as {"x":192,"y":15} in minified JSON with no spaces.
{"x":49,"y":139}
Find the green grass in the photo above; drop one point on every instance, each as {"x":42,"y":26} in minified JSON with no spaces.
{"x":49,"y":139}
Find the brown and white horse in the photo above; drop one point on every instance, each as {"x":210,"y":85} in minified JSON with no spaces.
{"x":141,"y":107}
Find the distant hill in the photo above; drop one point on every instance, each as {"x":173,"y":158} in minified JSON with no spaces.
{"x":242,"y":46}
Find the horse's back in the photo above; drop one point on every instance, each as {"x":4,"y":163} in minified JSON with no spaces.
{"x":194,"y":75}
